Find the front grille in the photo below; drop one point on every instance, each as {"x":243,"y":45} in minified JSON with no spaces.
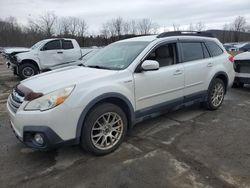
{"x":242,"y":66}
{"x":15,"y":100}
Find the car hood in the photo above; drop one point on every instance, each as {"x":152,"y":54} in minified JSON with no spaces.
{"x":11,"y":50}
{"x":64,"y":77}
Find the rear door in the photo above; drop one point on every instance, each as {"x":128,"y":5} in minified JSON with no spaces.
{"x":51,"y":54}
{"x":71,"y":53}
{"x":197,"y":66}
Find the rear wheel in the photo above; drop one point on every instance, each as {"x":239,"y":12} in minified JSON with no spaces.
{"x":104,"y":129}
{"x":216,"y":93}
{"x":27,"y":70}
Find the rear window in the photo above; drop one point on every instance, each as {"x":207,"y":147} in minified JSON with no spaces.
{"x":192,"y":51}
{"x":214,"y":49}
{"x":67,"y":44}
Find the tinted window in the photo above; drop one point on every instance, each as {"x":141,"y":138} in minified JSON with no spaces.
{"x":67,"y":44}
{"x":192,"y":51}
{"x":246,"y":47}
{"x":53,"y":45}
{"x":214,"y":49}
{"x":205,"y":51}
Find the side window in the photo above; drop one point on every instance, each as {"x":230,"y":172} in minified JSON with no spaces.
{"x":205,"y":51}
{"x":67,"y":44}
{"x":213,"y":48}
{"x":165,"y":55}
{"x":192,"y":51}
{"x":52,"y":45}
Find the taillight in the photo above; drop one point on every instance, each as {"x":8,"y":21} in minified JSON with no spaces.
{"x":231,"y":58}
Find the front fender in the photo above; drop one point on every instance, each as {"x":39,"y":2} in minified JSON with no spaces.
{"x":96,"y":100}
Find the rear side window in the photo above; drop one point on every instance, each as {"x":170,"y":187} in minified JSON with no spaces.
{"x":53,"y":45}
{"x":67,"y":44}
{"x":205,"y":51}
{"x":213,"y":48}
{"x":192,"y":51}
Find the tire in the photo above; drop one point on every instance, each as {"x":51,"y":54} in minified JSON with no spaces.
{"x":97,"y":136}
{"x":238,"y":84}
{"x":27,"y":70}
{"x":216,"y":90}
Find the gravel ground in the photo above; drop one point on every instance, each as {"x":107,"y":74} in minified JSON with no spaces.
{"x":191,"y":147}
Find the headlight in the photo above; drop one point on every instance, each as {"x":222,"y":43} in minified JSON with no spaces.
{"x":50,"y":100}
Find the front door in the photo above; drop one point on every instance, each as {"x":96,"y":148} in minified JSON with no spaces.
{"x":51,"y":54}
{"x":159,"y":88}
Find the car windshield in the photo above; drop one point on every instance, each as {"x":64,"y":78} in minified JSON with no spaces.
{"x":88,"y":55}
{"x":116,"y":56}
{"x":36,"y":45}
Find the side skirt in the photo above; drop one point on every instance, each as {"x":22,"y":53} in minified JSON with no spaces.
{"x":159,"y":109}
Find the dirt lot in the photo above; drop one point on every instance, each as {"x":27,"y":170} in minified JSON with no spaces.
{"x":188,"y":148}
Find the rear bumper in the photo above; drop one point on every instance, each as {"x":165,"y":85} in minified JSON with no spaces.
{"x":242,"y":78}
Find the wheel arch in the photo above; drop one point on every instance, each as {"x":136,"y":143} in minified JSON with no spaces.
{"x":223,"y":76}
{"x":114,"y":98}
{"x":32,"y":62}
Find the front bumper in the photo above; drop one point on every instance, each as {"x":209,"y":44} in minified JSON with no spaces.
{"x":57,"y":126}
{"x":51,"y":139}
{"x":13,"y":67}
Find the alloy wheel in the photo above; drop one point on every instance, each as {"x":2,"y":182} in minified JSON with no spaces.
{"x":107,"y":131}
{"x":217,"y":94}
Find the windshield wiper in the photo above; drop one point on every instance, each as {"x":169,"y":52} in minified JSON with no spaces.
{"x":98,"y":67}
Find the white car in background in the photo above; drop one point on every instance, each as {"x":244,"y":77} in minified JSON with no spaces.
{"x":242,"y":69}
{"x":43,"y":55}
{"x":124,"y":83}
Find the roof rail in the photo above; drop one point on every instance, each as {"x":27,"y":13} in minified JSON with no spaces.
{"x":185,"y":33}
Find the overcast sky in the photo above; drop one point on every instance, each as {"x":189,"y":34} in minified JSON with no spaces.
{"x":214,"y":13}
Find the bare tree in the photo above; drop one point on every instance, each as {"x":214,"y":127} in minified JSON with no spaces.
{"x":108,"y":30}
{"x":191,"y":27}
{"x":239,"y":25}
{"x":82,"y":27}
{"x":63,"y":25}
{"x":73,"y":24}
{"x":133,"y":27}
{"x":45,"y":23}
{"x":145,"y":26}
{"x":117,"y":25}
{"x":200,"y":26}
{"x":126,"y":28}
{"x":176,"y":27}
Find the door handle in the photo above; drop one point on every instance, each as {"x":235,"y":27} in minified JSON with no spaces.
{"x":178,"y":72}
{"x":60,"y":52}
{"x":210,"y":64}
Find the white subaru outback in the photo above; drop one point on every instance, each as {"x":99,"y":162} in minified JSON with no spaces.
{"x":95,"y":104}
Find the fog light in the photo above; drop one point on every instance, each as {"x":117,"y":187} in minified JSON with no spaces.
{"x":39,"y":139}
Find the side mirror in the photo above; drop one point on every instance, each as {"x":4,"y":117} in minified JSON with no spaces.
{"x":44,"y":48}
{"x":150,"y":65}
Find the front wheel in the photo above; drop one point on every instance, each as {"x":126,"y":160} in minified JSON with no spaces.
{"x":27,"y":70}
{"x":216,"y":93}
{"x":104,"y":129}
